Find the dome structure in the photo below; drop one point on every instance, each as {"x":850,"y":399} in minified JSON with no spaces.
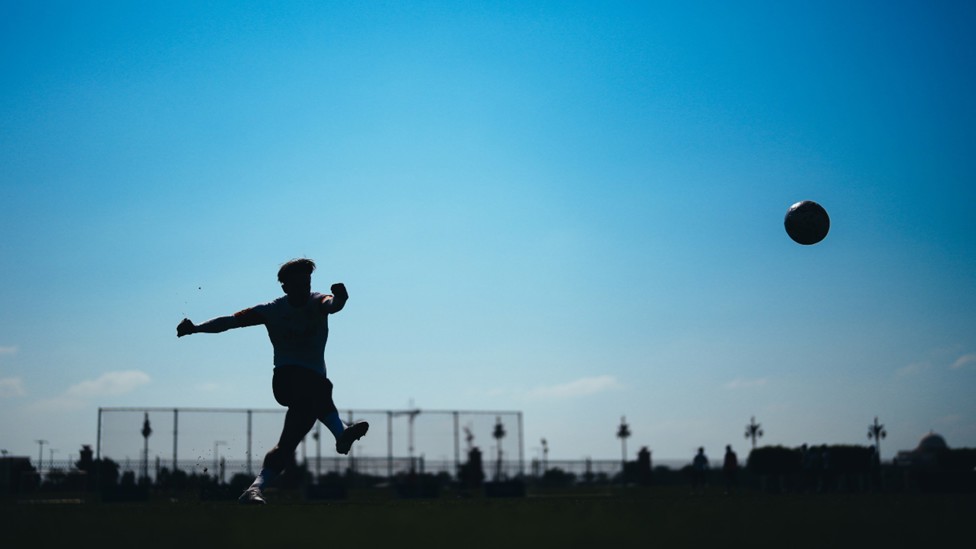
{"x":926,"y":454}
{"x":932,"y":443}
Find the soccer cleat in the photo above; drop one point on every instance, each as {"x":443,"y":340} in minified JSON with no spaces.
{"x":252,"y":496}
{"x":352,"y":433}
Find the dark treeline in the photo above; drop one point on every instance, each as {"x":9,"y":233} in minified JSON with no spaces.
{"x":770,"y":469}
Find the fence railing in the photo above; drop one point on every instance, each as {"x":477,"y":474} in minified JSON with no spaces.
{"x":199,"y":438}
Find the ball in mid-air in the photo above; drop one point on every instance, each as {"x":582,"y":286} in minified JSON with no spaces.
{"x":807,"y":222}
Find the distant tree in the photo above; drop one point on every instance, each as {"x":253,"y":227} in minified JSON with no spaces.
{"x":173,"y":480}
{"x":472,"y":473}
{"x":98,"y":472}
{"x":558,"y":477}
{"x":958,"y":460}
{"x":644,"y":466}
{"x":775,"y":465}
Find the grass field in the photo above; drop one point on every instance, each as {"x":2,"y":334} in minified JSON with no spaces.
{"x":618,"y":517}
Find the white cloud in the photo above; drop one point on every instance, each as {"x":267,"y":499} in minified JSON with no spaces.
{"x":58,"y":404}
{"x":913,"y":369}
{"x":11,"y":387}
{"x":964,"y":361}
{"x":109,"y":384}
{"x":8,"y":350}
{"x":740,"y":383}
{"x":580,"y":387}
{"x":78,"y":396}
{"x":209,"y":387}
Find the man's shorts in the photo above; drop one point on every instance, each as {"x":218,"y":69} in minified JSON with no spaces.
{"x":303,"y":389}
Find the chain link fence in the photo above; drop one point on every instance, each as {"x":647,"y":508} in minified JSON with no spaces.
{"x":225,"y":442}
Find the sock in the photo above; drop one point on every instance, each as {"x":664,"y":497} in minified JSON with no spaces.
{"x":264,"y":477}
{"x":335,"y":424}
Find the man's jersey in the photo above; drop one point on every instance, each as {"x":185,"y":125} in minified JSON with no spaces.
{"x":298,"y":334}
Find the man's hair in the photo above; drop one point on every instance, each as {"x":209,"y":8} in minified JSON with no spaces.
{"x":296,"y":266}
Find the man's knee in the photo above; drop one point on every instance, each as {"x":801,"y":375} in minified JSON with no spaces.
{"x":277,"y":459}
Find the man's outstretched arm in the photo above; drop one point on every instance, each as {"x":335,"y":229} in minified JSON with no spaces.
{"x":247,"y":317}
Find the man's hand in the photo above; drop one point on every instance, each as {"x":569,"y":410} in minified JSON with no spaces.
{"x":339,"y":290}
{"x":338,"y":301}
{"x":185,"y":328}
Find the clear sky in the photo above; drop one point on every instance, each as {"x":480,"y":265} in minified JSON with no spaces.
{"x":572,"y":209}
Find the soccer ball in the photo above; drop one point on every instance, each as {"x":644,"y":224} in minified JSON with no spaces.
{"x":807,"y":222}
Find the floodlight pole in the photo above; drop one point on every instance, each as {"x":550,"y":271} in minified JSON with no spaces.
{"x":877,"y":432}
{"x":216,"y":461}
{"x":499,"y":434}
{"x":623,"y":433}
{"x":411,"y":415}
{"x":521,"y":441}
{"x":40,"y":455}
{"x":753,"y":431}
{"x":545,"y":456}
{"x":389,"y":444}
{"x":146,"y":431}
{"x":317,"y":435}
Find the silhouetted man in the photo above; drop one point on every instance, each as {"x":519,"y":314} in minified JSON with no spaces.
{"x":699,"y":469}
{"x":730,"y":468}
{"x":298,"y":327}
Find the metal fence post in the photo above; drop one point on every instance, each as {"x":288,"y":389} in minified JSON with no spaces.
{"x":176,"y":431}
{"x":249,"y":470}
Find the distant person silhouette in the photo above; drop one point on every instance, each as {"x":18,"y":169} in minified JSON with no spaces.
{"x":298,"y":327}
{"x":730,"y":469}
{"x":810,"y":463}
{"x":699,"y":470}
{"x":826,"y":470}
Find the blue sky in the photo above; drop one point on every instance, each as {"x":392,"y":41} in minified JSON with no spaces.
{"x":572,"y":209}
